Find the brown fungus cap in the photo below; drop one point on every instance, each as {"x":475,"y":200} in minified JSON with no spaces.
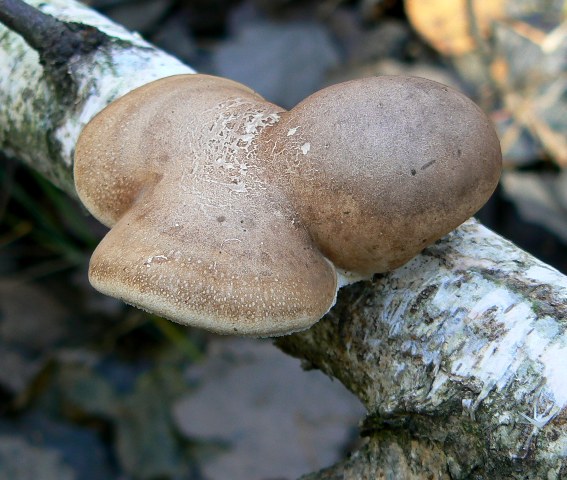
{"x":226,"y":211}
{"x":381,"y":167}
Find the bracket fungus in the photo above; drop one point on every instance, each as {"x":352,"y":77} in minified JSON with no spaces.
{"x":229,"y":213}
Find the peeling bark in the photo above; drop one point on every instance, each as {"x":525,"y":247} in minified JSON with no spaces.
{"x":463,"y":352}
{"x":460,"y":356}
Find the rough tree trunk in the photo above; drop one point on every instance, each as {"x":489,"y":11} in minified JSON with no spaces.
{"x":460,"y":356}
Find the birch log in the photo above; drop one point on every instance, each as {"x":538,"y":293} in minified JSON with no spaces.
{"x":39,"y":129}
{"x":460,"y":356}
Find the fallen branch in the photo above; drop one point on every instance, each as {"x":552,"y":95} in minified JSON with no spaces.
{"x":460,"y":357}
{"x":36,"y":125}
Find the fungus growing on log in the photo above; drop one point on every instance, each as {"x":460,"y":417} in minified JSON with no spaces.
{"x":231,"y":214}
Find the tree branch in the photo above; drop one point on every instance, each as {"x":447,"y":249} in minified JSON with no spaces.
{"x":459,"y":356}
{"x":39,"y":121}
{"x":56,"y":42}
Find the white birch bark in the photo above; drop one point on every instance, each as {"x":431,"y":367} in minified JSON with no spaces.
{"x":460,"y":356}
{"x":33,"y":126}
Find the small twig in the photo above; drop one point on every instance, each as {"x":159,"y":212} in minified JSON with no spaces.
{"x":474,"y":31}
{"x":484,"y":50}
